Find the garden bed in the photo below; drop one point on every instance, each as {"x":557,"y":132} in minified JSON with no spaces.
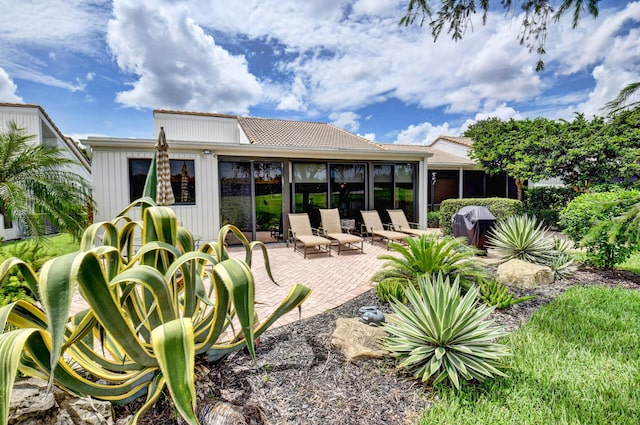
{"x":299,"y":377}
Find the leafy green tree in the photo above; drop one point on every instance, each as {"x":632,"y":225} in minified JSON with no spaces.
{"x":454,"y":16}
{"x":36,"y":186}
{"x":596,"y":151}
{"x":515,"y":146}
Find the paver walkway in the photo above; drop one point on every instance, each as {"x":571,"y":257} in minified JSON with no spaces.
{"x":333,"y":280}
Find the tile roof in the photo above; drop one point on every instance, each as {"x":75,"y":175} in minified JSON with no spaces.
{"x":466,"y":141}
{"x":439,"y":157}
{"x":299,"y":134}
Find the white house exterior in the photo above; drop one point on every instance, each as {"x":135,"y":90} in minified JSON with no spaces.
{"x":251,"y":172}
{"x":36,"y":122}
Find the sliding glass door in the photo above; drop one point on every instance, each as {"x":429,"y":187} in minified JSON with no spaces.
{"x":251,"y":198}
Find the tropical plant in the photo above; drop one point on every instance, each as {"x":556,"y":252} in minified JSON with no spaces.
{"x":390,"y":289}
{"x":445,"y":335}
{"x":497,"y":294}
{"x":562,"y":262}
{"x":428,"y":255}
{"x":150,"y":312}
{"x":36,"y":188}
{"x":521,"y":237}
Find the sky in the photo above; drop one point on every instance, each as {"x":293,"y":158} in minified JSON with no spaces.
{"x":101,"y":67}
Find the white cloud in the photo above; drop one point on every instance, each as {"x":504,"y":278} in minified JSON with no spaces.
{"x":425,"y":133}
{"x":175,"y":63}
{"x":345,"y":120}
{"x":8,"y":89}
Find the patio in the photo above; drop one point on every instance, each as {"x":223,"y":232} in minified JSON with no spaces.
{"x":334,"y":280}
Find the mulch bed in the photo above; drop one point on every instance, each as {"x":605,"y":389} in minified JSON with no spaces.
{"x":300,"y":378}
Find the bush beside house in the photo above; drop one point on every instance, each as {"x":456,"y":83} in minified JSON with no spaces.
{"x":499,"y":207}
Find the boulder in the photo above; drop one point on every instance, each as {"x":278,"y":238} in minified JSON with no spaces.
{"x":32,"y":404}
{"x":358,"y":340}
{"x":523,"y":274}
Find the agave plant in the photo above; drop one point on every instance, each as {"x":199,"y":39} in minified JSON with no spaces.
{"x":562,"y":263}
{"x":445,"y":335}
{"x":521,"y":237}
{"x":150,"y":312}
{"x":428,"y":255}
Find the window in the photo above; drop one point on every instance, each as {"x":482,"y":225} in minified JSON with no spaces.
{"x":183,"y":179}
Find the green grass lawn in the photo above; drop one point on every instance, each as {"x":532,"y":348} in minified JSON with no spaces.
{"x":632,"y":264}
{"x":577,"y":361}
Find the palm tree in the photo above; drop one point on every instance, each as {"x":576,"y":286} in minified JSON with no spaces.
{"x":37,"y":188}
{"x":622,"y":100}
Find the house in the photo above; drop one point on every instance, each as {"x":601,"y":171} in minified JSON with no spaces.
{"x":251,"y":172}
{"x":455,"y":175}
{"x":36,"y":122}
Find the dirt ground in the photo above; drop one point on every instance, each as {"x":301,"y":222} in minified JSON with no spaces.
{"x":300,"y":378}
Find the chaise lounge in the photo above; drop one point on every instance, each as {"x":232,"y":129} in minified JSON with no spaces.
{"x":303,"y":235}
{"x":401,"y":224}
{"x":332,"y":229}
{"x":373,"y":226}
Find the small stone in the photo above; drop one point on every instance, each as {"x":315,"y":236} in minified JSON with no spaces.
{"x":523,"y":274}
{"x":359,"y":340}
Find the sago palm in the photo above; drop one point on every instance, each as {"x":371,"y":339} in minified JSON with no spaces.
{"x":428,"y":255}
{"x":37,"y":187}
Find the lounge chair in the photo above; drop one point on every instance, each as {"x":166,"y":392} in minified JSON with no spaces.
{"x":332,"y":229}
{"x":302,"y":234}
{"x":401,"y":224}
{"x":373,"y":226}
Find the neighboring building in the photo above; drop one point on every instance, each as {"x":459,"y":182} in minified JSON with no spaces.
{"x":454,"y":175}
{"x":36,"y":122}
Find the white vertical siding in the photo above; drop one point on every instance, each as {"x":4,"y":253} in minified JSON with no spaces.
{"x":111,"y":189}
{"x":26,"y":118}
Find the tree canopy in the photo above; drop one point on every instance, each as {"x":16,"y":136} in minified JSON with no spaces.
{"x":581,"y":152}
{"x":37,"y":188}
{"x":454,"y":16}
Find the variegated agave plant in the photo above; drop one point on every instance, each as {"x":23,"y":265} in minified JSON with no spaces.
{"x":150,"y":312}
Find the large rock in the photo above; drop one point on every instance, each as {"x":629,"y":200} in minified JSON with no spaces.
{"x":524,"y":274}
{"x":358,"y":340}
{"x":32,"y":404}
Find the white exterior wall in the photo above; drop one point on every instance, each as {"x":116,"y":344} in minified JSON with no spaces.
{"x":111,"y":188}
{"x":195,"y":128}
{"x":452,"y":148}
{"x":35,"y":123}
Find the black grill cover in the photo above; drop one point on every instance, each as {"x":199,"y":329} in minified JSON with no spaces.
{"x":473,"y":222}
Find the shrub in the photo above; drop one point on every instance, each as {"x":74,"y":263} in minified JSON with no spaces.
{"x":428,"y":255}
{"x":152,"y":312}
{"x":433,"y":219}
{"x":445,"y":335}
{"x":545,"y":203}
{"x":499,"y":207}
{"x":589,"y":219}
{"x":589,"y":209}
{"x":497,"y":294}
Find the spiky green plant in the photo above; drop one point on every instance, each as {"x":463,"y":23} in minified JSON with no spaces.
{"x":497,"y":294}
{"x":562,"y":263}
{"x":149,"y":312}
{"x":521,"y":237}
{"x":445,"y":335}
{"x":389,"y":289}
{"x":431,"y":254}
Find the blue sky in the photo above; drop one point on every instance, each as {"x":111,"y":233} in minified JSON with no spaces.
{"x":101,"y":67}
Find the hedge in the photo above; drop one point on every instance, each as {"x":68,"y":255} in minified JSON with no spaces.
{"x":499,"y":207}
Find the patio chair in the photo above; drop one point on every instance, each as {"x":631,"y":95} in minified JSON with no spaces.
{"x":332,"y":229}
{"x":302,"y":234}
{"x":373,"y":226}
{"x":401,"y":224}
